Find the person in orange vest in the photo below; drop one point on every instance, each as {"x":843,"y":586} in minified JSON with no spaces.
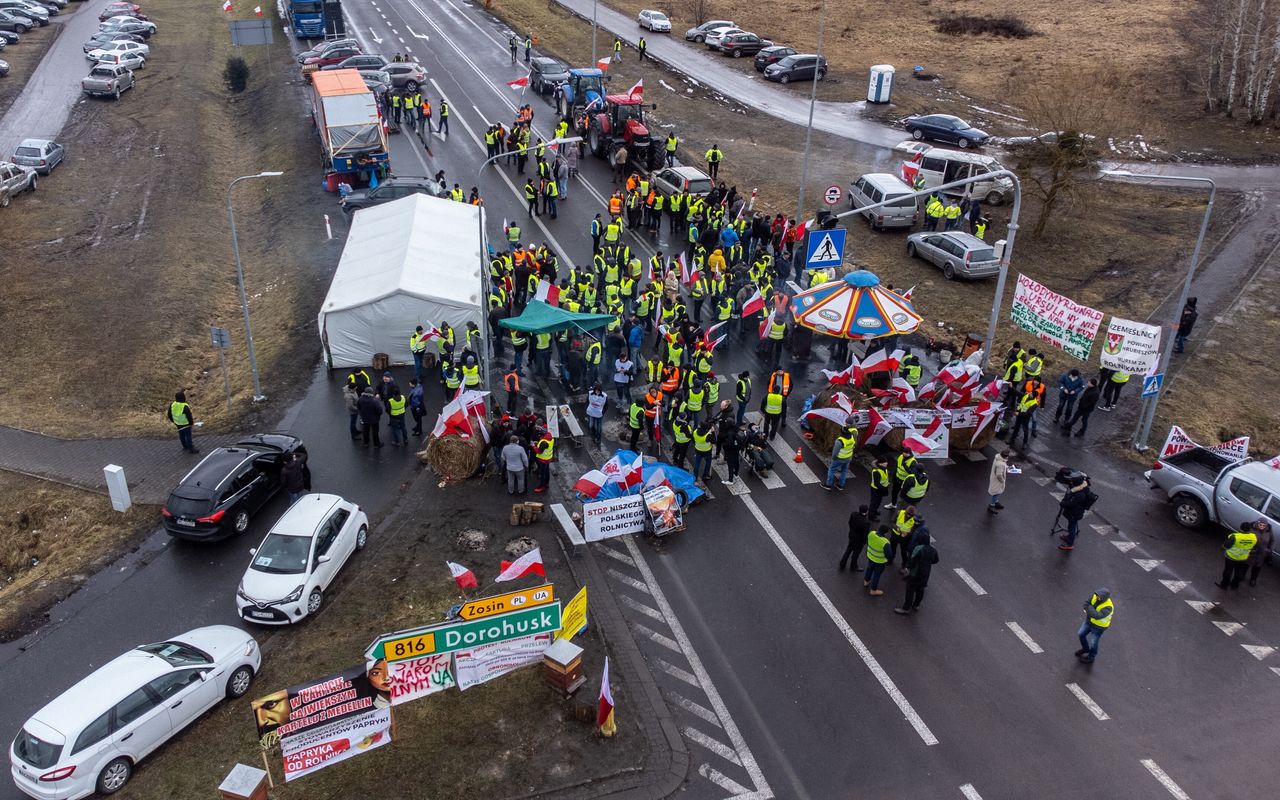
{"x":512,"y":383}
{"x":652,"y":402}
{"x":671,"y":378}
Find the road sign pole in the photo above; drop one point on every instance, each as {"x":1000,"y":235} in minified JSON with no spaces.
{"x":226,"y":381}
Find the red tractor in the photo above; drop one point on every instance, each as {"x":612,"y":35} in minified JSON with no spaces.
{"x":622,"y":123}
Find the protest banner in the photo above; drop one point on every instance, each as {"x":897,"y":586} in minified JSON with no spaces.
{"x":1177,"y":441}
{"x":417,"y":677}
{"x":620,"y":516}
{"x":488,"y":661}
{"x":663,"y":507}
{"x":1132,"y":347}
{"x":574,"y":620}
{"x":1054,"y":318}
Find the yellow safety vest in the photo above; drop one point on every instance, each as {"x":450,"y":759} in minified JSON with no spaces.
{"x":1120,"y":377}
{"x":546,"y":449}
{"x":773,"y":403}
{"x":681,"y":431}
{"x":879,"y":478}
{"x":702,"y":442}
{"x":1105,"y":605}
{"x":1242,"y":543}
{"x":542,"y":341}
{"x":904,"y":525}
{"x":695,"y":400}
{"x":471,"y":375}
{"x":396,"y":406}
{"x":875,"y":548}
{"x":905,"y":462}
{"x":918,"y":488}
{"x":777,"y":330}
{"x":847,"y":445}
{"x":180,"y":418}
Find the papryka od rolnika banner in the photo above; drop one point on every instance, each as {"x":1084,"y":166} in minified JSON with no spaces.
{"x":324,"y":721}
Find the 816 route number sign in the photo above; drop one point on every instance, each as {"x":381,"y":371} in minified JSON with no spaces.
{"x":832,"y":195}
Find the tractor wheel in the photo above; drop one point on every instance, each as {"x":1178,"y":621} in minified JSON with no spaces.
{"x":596,"y":141}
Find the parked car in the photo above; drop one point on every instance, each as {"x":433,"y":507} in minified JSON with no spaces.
{"x":121,"y":10}
{"x":11,"y":20}
{"x":4,"y":67}
{"x":376,"y":80}
{"x":655,"y":21}
{"x":127,"y":25}
{"x":740,"y":44}
{"x":3,"y":44}
{"x":104,"y":79}
{"x":14,"y":180}
{"x":797,"y":67}
{"x":406,"y":75}
{"x":20,"y":8}
{"x":1209,"y":486}
{"x":98,"y":40}
{"x":218,"y":497}
{"x":8,"y":37}
{"x":116,"y":58}
{"x":133,"y":48}
{"x":898,"y":211}
{"x":958,"y":254}
{"x":939,"y":165}
{"x":335,"y":55}
{"x":41,"y":155}
{"x":53,"y":6}
{"x":392,"y":188}
{"x":945,"y":128}
{"x":713,"y":35}
{"x":545,"y":74}
{"x":683,"y":179}
{"x":91,"y":737}
{"x":699,"y":33}
{"x":290,"y":571}
{"x":772,"y":55}
{"x":324,"y":47}
{"x":357,"y":62}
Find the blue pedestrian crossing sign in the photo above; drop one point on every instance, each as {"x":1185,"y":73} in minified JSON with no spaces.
{"x":1151,"y":384}
{"x":826,"y":249}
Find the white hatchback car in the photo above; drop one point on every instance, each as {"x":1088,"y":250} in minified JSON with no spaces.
{"x":112,"y":58}
{"x":91,"y":736}
{"x":655,"y":21}
{"x":120,"y":47}
{"x":300,"y":557}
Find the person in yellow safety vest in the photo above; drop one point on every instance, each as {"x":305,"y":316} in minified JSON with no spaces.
{"x":682,"y":432}
{"x":675,"y":353}
{"x":772,"y":406}
{"x":917,"y":484}
{"x":953,"y":213}
{"x":702,"y":363}
{"x":613,"y":231}
{"x":934,"y":211}
{"x":1099,"y":610}
{"x":910,"y":369}
{"x":531,"y":197}
{"x":472,"y":340}
{"x":1013,"y":374}
{"x":714,"y":157}
{"x":396,"y":403}
{"x":635,"y":421}
{"x":589,"y":296}
{"x":1111,"y":392}
{"x":550,"y":192}
{"x":418,"y":347}
{"x":1236,"y":551}
{"x":519,"y":343}
{"x":878,"y":554}
{"x":562,"y":130}
{"x":672,"y":144}
{"x":841,"y":454}
{"x":777,"y":336}
{"x":980,"y":229}
{"x":395,"y":107}
{"x":544,"y":453}
{"x":1034,"y":364}
{"x":817,"y":277}
{"x":906,"y":462}
{"x":703,"y":440}
{"x":903,"y":525}
{"x":1024,"y":412}
{"x":611,"y":293}
{"x":456,"y":194}
{"x":627,"y":288}
{"x":452,"y":380}
{"x":542,"y":354}
{"x":593,"y":355}
{"x":470,"y":374}
{"x":712,"y":388}
{"x":179,"y":413}
{"x":879,"y":487}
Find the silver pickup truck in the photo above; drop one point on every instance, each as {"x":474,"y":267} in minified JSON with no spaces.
{"x":107,"y":79}
{"x":1207,"y":486}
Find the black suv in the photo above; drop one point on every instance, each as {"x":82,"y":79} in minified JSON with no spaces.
{"x":545,"y":74}
{"x":391,"y":189}
{"x":798,"y":67}
{"x":216,"y":499}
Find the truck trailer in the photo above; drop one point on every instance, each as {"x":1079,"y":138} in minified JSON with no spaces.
{"x":351,"y":129}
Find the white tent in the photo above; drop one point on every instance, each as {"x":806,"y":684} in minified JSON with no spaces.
{"x":413,"y":261}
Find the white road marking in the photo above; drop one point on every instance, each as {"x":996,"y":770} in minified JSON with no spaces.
{"x":801,"y":469}
{"x":969,"y":581}
{"x":723,"y":781}
{"x":698,"y":737}
{"x":969,"y":792}
{"x":375,"y":36}
{"x":1148,"y":564}
{"x":854,"y":640}
{"x":1201,"y":606}
{"x":1101,"y":529}
{"x":1024,"y":637}
{"x":1276,"y":670}
{"x":695,"y":709}
{"x":676,"y":672}
{"x":1088,"y":702}
{"x":748,"y":760}
{"x":401,"y":38}
{"x":1165,"y":781}
{"x":654,"y":636}
{"x":636,"y":605}
{"x":1229,"y":628}
{"x":616,"y":555}
{"x":408,"y":50}
{"x":142,"y":215}
{"x":1124,"y":546}
{"x":627,"y":579}
{"x":1175,"y":586}
{"x":396,"y":32}
{"x":415,"y":34}
{"x":737,"y":487}
{"x":1258,"y":651}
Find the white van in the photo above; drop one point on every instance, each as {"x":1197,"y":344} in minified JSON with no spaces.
{"x":939,"y":166}
{"x":876,"y":187}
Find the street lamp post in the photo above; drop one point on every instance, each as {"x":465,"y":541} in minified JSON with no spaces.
{"x":813,"y":99}
{"x":484,"y":283}
{"x":258,"y":396}
{"x":594,"y":28}
{"x":1148,"y":416}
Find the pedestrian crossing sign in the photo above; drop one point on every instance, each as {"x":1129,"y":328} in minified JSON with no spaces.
{"x":826,"y":249}
{"x":1151,"y":384}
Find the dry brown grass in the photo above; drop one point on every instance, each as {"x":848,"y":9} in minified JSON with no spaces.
{"x":52,"y":538}
{"x":106,"y":306}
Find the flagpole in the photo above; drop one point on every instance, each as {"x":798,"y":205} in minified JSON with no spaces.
{"x":594,"y":27}
{"x":813,"y":99}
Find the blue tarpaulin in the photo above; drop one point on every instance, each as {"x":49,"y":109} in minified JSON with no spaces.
{"x":680,"y":479}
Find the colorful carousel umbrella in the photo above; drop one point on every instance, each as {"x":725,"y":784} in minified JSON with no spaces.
{"x":857,"y":307}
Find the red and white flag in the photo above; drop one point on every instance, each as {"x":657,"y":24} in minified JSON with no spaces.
{"x":688,"y":276}
{"x":909,"y":172}
{"x":519,"y":83}
{"x":928,"y":441}
{"x":547,"y":292}
{"x":603,"y":64}
{"x":604,"y":714}
{"x":592,"y":483}
{"x":837,"y":415}
{"x":706,"y":337}
{"x":993,"y":389}
{"x":226,"y":5}
{"x":954,"y":374}
{"x":632,"y":474}
{"x":257,"y":11}
{"x":657,"y":478}
{"x":1274,"y":463}
{"x":754,"y":303}
{"x":850,"y":374}
{"x":638,"y":89}
{"x":986,"y":412}
{"x":528,"y":564}
{"x":453,"y":419}
{"x":614,"y":469}
{"x":465,"y":578}
{"x":877,"y":426}
{"x":903,"y":389}
{"x":882,"y":361}
{"x":765,"y":323}
{"x":907,"y":294}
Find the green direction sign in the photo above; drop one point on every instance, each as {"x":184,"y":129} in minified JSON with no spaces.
{"x":450,"y":636}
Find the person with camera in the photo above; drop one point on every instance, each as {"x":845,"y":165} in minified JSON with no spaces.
{"x":1078,"y":499}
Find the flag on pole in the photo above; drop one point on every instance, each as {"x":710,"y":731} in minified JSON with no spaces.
{"x":603,"y":64}
{"x":688,"y":276}
{"x":837,"y":415}
{"x":465,"y":578}
{"x":765,"y":323}
{"x":638,"y":89}
{"x":547,"y":292}
{"x":604,"y":715}
{"x":519,"y":83}
{"x":257,"y":11}
{"x":877,"y":426}
{"x":528,"y":564}
{"x":592,"y":483}
{"x":226,"y":6}
{"x":907,"y":294}
{"x":706,"y":337}
{"x":453,"y":419}
{"x":633,"y":474}
{"x":909,"y":172}
{"x":657,"y":478}
{"x":881,"y":361}
{"x":931,"y":439}
{"x":851,"y":373}
{"x":754,"y":303}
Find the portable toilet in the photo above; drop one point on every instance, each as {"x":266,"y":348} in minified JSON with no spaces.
{"x":880,"y":87}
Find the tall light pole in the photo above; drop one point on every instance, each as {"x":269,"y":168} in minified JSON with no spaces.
{"x":594,"y":28}
{"x":813,"y":99}
{"x":258,"y":396}
{"x":1148,"y":415}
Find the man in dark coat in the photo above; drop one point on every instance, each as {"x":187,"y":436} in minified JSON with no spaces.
{"x":370,"y":410}
{"x":859,"y":525}
{"x":1185,"y":323}
{"x":919,"y":564}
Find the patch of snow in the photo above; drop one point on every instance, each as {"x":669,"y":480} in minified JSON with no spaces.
{"x":665,"y":85}
{"x":997,"y":113}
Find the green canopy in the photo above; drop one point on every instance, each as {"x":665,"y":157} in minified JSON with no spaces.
{"x":538,"y":317}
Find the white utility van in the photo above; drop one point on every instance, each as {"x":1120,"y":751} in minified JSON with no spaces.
{"x":939,"y":166}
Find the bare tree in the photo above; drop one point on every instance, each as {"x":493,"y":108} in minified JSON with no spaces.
{"x":699,"y":11}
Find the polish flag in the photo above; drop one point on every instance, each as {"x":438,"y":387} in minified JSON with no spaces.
{"x":837,"y":415}
{"x":931,"y":439}
{"x":657,"y":433}
{"x":909,"y":172}
{"x":882,"y":361}
{"x":687,"y":276}
{"x":603,"y":64}
{"x":877,"y":426}
{"x":226,"y":6}
{"x":465,"y":578}
{"x":432,"y":332}
{"x":993,"y":389}
{"x":604,"y":714}
{"x":519,"y":83}
{"x":754,"y":303}
{"x":528,"y":564}
{"x":903,"y":389}
{"x":592,"y":483}
{"x":613,"y":469}
{"x":706,"y":337}
{"x":954,"y":374}
{"x":1274,"y":463}
{"x":453,"y":419}
{"x":843,"y":401}
{"x":547,"y":292}
{"x":257,"y":11}
{"x":633,"y":475}
{"x":853,"y":373}
{"x":658,"y":478}
{"x":928,"y":392}
{"x":907,"y":294}
{"x":986,"y":412}
{"x":638,"y":89}
{"x":765,"y":323}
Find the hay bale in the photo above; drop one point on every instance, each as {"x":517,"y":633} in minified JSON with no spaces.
{"x":825,"y":431}
{"x":453,"y":457}
{"x":960,"y":438}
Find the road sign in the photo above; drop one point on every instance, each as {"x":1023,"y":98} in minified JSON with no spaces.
{"x":221,"y":337}
{"x":833,"y":195}
{"x":447,"y":637}
{"x":1151,"y":384}
{"x":826,"y":249}
{"x":511,"y":601}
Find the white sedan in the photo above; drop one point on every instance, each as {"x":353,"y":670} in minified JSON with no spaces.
{"x":89,"y":738}
{"x":300,"y":557}
{"x":120,"y":47}
{"x":112,"y":58}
